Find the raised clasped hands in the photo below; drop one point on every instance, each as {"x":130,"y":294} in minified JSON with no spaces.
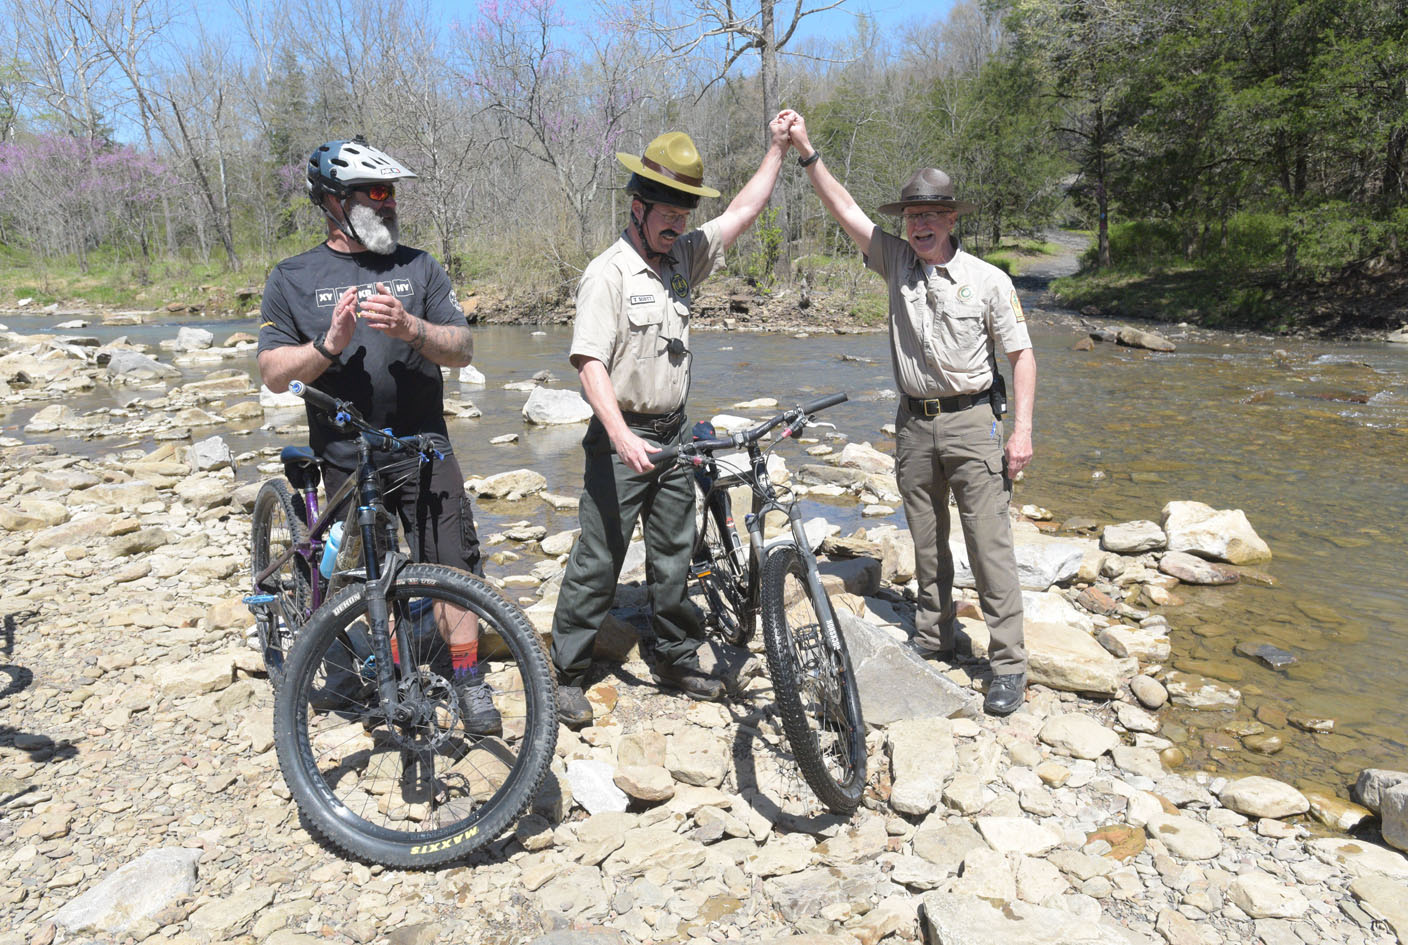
{"x":780,"y":127}
{"x":796,"y":130}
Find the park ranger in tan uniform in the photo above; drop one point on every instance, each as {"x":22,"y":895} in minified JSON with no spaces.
{"x":949,"y":312}
{"x":630,"y":346}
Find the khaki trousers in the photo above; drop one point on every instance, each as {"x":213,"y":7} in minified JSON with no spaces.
{"x":961,"y":452}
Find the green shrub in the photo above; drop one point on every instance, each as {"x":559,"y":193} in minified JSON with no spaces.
{"x":870,"y":309}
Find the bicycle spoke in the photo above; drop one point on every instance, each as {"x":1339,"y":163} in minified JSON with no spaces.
{"x":393,"y":786}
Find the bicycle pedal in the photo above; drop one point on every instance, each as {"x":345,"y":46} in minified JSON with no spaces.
{"x":255,"y":600}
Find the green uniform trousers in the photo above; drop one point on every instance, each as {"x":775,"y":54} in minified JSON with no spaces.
{"x":961,"y":452}
{"x":613,"y":499}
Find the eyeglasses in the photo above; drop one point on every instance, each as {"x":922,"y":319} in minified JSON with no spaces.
{"x":379,"y":192}
{"x":930,"y":217}
{"x":674,"y":219}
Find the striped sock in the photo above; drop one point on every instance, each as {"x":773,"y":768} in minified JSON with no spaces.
{"x":464,"y":660}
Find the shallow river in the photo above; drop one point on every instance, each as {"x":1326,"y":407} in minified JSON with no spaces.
{"x":1309,"y":438}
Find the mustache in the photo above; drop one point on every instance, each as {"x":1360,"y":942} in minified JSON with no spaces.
{"x":670,"y":234}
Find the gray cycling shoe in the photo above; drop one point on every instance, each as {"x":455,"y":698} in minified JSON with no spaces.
{"x":1006,"y":693}
{"x":689,"y":679}
{"x":573,"y":709}
{"x":477,"y":710}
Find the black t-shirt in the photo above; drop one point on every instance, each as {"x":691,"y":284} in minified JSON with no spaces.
{"x":390,"y":384}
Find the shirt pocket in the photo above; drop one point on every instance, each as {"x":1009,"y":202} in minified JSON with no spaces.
{"x":647,"y":324}
{"x":961,"y":339}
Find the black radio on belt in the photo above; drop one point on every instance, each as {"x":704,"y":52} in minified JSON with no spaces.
{"x":997,"y":394}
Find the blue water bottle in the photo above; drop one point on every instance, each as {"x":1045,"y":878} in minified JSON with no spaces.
{"x":329,"y":561}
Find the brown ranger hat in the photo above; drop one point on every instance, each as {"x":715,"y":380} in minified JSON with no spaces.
{"x":929,"y":187}
{"x":673,"y":160}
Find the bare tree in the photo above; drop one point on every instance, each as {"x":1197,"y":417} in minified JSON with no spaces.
{"x":740,"y":27}
{"x":565,"y":108}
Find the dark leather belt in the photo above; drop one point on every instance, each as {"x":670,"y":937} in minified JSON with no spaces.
{"x":661,"y":424}
{"x":937,"y":405}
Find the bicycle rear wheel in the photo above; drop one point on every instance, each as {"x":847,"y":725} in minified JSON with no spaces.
{"x":813,"y":683}
{"x":277,"y":525}
{"x":420,"y":791}
{"x":719,"y":567}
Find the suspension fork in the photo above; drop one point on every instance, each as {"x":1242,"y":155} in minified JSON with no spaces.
{"x":376,"y":587}
{"x":830,"y":632}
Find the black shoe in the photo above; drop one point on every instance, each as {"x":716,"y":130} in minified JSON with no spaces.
{"x":573,"y":709}
{"x":344,"y":692}
{"x":1006,"y":693}
{"x":689,"y":679}
{"x":477,"y":709}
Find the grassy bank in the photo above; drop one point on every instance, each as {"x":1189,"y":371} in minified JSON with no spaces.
{"x":1251,"y":278}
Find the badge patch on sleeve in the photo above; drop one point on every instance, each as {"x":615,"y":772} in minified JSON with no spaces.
{"x":1017,"y":307}
{"x":680,"y":284}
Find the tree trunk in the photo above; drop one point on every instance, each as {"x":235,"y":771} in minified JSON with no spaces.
{"x":220,"y":220}
{"x":1392,"y":184}
{"x":767,"y":52}
{"x":1102,"y":197}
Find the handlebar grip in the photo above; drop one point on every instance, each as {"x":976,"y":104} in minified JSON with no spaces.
{"x":313,"y":396}
{"x":665,"y":456}
{"x":830,"y":400}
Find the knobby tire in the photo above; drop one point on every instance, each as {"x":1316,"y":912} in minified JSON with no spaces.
{"x":277,"y":525}
{"x":721,"y":571}
{"x":426,"y":791}
{"x":814,"y":686}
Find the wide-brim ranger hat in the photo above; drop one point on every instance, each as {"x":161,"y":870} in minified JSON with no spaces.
{"x":929,"y":187}
{"x":673,"y":160}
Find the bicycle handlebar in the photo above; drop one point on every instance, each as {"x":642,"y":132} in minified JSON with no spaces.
{"x":319,"y":399}
{"x":344,"y":414}
{"x":796,"y":418}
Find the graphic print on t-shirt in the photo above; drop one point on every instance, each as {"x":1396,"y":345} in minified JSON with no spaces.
{"x":327,"y":298}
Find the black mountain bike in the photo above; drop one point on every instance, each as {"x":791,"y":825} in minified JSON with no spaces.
{"x":812,"y":678}
{"x":372,"y":735}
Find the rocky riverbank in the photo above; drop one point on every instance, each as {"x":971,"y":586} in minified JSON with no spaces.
{"x":140,"y":797}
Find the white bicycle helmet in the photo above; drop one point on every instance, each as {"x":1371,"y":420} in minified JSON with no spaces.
{"x":338,"y":166}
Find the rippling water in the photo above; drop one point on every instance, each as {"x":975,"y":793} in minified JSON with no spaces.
{"x":1309,"y":438}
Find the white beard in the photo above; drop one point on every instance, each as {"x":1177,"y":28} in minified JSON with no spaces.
{"x":376,"y":235}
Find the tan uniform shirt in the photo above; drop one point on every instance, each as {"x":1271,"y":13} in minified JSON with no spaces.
{"x":945,"y":319}
{"x":627,"y":315}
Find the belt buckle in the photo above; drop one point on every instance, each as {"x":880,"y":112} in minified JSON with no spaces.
{"x":936,"y":403}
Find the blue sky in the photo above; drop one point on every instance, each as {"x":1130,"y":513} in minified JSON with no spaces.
{"x":890,"y":15}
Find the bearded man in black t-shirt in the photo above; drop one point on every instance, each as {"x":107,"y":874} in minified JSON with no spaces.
{"x":369,"y":321}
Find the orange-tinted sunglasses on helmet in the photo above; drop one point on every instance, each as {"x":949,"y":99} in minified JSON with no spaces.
{"x":379,"y":192}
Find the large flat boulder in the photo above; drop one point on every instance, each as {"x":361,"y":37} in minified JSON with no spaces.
{"x":958,"y":919}
{"x":895,"y":683}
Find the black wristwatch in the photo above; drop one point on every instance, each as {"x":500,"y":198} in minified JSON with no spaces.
{"x":318,"y":347}
{"x":809,"y":161}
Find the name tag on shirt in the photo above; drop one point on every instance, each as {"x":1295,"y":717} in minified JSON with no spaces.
{"x":642,"y":299}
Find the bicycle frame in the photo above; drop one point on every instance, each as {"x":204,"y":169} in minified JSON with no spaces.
{"x":765,"y":500}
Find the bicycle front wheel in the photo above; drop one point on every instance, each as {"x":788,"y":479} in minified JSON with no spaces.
{"x":813,"y":683}
{"x":277,"y":526}
{"x":719,"y":567}
{"x":467,"y":754}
